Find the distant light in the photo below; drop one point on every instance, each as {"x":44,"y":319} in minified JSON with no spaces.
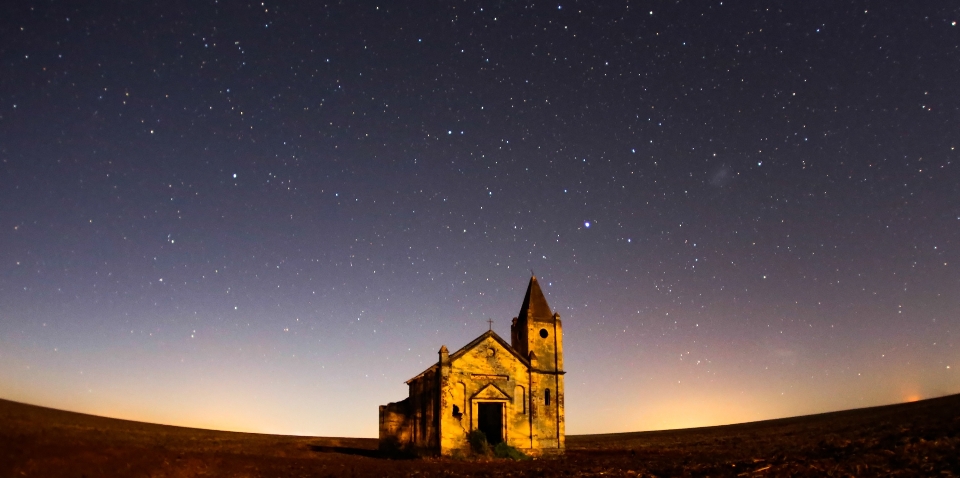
{"x":234,"y":175}
{"x":586,"y":224}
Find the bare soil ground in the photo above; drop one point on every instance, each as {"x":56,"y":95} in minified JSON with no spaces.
{"x":914,"y":439}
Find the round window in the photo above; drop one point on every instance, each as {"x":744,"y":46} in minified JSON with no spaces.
{"x":543,"y":333}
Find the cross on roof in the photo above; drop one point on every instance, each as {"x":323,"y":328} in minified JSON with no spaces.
{"x":490,"y":321}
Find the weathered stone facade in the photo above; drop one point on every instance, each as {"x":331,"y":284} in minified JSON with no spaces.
{"x":512,"y":392}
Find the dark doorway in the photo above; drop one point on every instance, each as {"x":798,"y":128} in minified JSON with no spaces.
{"x":490,"y":421}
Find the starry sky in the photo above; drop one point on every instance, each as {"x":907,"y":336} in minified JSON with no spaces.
{"x":267,"y":216}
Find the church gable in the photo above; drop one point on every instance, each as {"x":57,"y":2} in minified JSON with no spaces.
{"x":491,"y":392}
{"x":487,"y":349}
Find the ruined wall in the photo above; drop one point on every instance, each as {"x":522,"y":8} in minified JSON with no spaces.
{"x":423,"y":407}
{"x":395,"y":427}
{"x":412,"y":422}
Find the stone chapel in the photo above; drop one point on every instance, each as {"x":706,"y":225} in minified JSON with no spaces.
{"x":513,"y":392}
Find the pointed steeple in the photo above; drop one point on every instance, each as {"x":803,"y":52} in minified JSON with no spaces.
{"x":535,"y":307}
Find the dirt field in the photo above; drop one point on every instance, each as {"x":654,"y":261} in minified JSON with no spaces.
{"x":915,"y":439}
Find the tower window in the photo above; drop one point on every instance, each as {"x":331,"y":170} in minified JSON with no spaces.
{"x":546,"y":397}
{"x":544,"y":333}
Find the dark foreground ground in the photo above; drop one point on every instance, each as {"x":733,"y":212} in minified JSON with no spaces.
{"x":915,"y":439}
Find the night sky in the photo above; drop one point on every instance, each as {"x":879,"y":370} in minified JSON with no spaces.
{"x":266,"y":217}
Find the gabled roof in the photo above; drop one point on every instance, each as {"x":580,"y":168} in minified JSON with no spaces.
{"x":492,"y":392}
{"x":534,"y":307}
{"x":475,"y":342}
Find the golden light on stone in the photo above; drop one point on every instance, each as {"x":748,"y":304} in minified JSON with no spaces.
{"x":511,"y":392}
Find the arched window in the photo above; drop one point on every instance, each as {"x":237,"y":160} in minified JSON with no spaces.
{"x":546,"y":397}
{"x":520,"y":399}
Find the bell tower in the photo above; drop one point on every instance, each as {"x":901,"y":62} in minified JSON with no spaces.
{"x":538,"y":329}
{"x":537,"y":334}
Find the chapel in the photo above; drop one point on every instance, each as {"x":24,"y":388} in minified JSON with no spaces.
{"x":512,"y":392}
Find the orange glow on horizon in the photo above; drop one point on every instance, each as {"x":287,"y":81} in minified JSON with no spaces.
{"x":682,"y":412}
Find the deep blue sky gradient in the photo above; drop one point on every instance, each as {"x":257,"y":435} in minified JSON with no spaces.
{"x":266,"y":217}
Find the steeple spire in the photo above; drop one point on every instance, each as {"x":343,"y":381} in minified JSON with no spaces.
{"x":535,"y":307}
